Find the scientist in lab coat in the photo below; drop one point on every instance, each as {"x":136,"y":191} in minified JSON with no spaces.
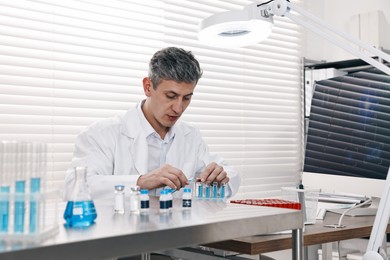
{"x":149,"y":146}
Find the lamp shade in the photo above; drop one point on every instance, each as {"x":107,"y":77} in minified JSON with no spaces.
{"x":235,"y":28}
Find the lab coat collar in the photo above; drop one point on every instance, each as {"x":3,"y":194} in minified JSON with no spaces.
{"x":138,"y":147}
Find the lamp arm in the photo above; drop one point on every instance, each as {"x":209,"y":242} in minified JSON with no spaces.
{"x":283,"y":7}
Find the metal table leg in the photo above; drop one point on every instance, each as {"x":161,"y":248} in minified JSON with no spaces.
{"x":297,"y":244}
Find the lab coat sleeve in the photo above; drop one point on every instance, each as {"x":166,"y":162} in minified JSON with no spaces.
{"x":94,"y":148}
{"x":234,"y":177}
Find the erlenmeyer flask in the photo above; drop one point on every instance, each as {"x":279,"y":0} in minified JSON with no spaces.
{"x":80,"y":210}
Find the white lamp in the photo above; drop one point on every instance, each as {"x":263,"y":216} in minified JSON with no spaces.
{"x":254,"y":23}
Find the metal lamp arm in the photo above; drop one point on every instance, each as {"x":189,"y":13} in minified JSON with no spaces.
{"x":316,"y":25}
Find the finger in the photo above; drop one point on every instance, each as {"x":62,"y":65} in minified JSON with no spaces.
{"x":225,"y":180}
{"x":167,"y":180}
{"x":207,"y":171}
{"x":214,"y":174}
{"x":181,"y":177}
{"x":221,"y":176}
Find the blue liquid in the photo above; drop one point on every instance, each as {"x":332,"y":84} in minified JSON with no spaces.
{"x":80,"y":214}
{"x":208,"y":191}
{"x":4,"y":209}
{"x":222,"y":192}
{"x":200,"y":191}
{"x":215,"y":191}
{"x":35,"y":188}
{"x":19,"y":206}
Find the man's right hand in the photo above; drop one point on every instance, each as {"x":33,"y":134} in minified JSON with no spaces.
{"x":166,"y":175}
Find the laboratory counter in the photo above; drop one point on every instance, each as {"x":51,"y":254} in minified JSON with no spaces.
{"x":115,"y":235}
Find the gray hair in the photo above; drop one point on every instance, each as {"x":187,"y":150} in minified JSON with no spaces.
{"x":174,"y":64}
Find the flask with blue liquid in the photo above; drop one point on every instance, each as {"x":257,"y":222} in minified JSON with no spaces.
{"x":80,"y":210}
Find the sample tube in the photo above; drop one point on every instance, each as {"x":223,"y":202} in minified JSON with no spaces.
{"x":119,"y":197}
{"x":186,"y":198}
{"x":144,"y":198}
{"x":20,"y":186}
{"x":8,"y":169}
{"x":134,"y":199}
{"x":222,"y":191}
{"x":207,"y":191}
{"x":38,"y":170}
{"x":199,"y":189}
{"x":164,"y":203}
{"x":215,"y":190}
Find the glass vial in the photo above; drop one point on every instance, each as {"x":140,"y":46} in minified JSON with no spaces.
{"x":80,"y":210}
{"x":144,"y":198}
{"x":215,"y":190}
{"x":119,"y":199}
{"x":207,"y":191}
{"x":187,"y":198}
{"x":222,"y":191}
{"x":134,"y":199}
{"x":169,"y":198}
{"x":9,"y":152}
{"x":164,"y":202}
{"x":38,"y":171}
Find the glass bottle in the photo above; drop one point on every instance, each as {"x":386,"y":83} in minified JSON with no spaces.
{"x":119,"y":199}
{"x":164,"y":203}
{"x":134,"y":199}
{"x":144,"y":197}
{"x":80,"y":210}
{"x":187,"y":198}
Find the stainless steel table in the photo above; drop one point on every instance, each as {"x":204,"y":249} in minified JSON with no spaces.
{"x":124,"y":235}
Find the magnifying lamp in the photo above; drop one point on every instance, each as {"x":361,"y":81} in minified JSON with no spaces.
{"x":254,"y":24}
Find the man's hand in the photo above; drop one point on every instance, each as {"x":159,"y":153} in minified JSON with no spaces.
{"x":166,"y":175}
{"x":214,"y":172}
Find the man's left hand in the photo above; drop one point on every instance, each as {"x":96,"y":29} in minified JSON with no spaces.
{"x":214,"y":173}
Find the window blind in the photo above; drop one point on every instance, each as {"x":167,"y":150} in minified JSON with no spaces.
{"x":65,"y":64}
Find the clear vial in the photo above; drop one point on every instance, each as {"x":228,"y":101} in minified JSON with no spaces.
{"x":170,"y":198}
{"x":207,"y":191}
{"x":222,"y":191}
{"x":215,"y":190}
{"x":199,"y":188}
{"x":144,"y":198}
{"x":187,"y":198}
{"x":119,"y":199}
{"x":134,"y":199}
{"x":164,"y":202}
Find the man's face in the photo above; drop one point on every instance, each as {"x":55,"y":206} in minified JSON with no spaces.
{"x":166,"y":103}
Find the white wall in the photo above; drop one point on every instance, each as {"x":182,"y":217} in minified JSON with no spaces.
{"x":344,"y":15}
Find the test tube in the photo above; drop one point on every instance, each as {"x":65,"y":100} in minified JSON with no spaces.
{"x":8,"y":169}
{"x":199,"y":189}
{"x":215,"y":190}
{"x":222,"y":191}
{"x":38,"y":169}
{"x":20,"y":186}
{"x":207,"y":191}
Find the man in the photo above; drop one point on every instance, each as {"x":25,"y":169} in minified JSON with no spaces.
{"x":149,"y":146}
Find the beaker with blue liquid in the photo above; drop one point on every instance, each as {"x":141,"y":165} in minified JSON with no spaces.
{"x":80,"y":210}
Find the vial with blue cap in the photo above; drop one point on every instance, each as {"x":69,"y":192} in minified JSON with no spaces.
{"x":187,"y":198}
{"x":144,"y":198}
{"x":164,"y":201}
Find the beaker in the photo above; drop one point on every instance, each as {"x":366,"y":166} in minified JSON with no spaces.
{"x":80,"y":210}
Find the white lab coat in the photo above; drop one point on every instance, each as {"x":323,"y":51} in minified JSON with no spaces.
{"x":115,"y":151}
